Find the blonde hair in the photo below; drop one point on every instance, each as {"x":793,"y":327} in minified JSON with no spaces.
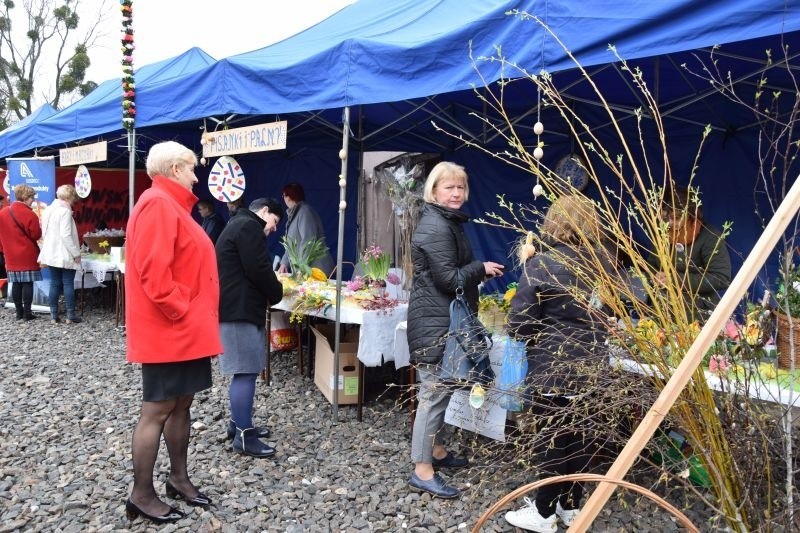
{"x":66,"y":193}
{"x":23,"y":192}
{"x":443,"y":171}
{"x":162,"y":157}
{"x":572,"y":219}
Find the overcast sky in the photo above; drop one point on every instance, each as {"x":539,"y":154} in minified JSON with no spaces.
{"x":166,"y":28}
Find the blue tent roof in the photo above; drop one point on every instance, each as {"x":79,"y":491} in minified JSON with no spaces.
{"x":100,"y":111}
{"x":375,"y":51}
{"x":23,"y":126}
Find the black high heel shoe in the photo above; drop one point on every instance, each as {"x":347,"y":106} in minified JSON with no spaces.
{"x":201,"y":500}
{"x":132,"y":511}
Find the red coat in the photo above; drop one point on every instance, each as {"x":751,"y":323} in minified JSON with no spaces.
{"x":171,"y":280}
{"x":20,"y":251}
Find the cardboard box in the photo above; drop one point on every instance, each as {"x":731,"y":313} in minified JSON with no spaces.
{"x":348,"y":363}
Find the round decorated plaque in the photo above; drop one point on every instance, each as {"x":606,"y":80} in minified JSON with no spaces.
{"x":83,"y":182}
{"x":226,"y":180}
{"x":572,"y":168}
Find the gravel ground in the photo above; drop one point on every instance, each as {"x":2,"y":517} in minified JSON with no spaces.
{"x":69,"y":402}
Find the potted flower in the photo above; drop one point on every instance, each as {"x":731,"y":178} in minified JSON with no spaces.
{"x":375,"y":266}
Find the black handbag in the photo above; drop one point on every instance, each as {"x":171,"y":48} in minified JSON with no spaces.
{"x":467,"y":345}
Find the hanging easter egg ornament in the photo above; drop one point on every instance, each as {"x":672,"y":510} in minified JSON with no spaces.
{"x":538,"y":128}
{"x":226,"y":180}
{"x":538,"y":190}
{"x":538,"y":153}
{"x":83,"y":182}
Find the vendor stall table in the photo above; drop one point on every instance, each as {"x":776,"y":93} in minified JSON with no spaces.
{"x":376,"y":336}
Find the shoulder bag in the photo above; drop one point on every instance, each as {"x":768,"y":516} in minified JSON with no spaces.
{"x":467,"y":345}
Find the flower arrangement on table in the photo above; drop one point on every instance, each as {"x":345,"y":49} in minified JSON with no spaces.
{"x":743,"y":351}
{"x":100,"y":241}
{"x":313,"y":293}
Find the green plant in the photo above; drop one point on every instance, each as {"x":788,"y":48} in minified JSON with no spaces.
{"x":302,"y":257}
{"x":375,"y":263}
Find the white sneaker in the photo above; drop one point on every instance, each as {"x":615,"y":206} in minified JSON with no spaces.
{"x":529,"y":518}
{"x":567,"y":516}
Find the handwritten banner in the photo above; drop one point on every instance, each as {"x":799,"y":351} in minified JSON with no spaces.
{"x":80,"y":155}
{"x":258,"y":138}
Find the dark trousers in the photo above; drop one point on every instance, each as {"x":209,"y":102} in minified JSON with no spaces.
{"x":564,"y":449}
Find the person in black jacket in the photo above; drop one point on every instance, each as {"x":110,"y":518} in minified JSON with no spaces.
{"x":211,"y":222}
{"x":248,"y":287}
{"x":557,"y":313}
{"x":440,"y":250}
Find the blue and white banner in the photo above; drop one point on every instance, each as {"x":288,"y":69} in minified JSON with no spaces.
{"x":39,"y":173}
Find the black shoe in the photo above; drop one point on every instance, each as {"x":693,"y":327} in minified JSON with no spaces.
{"x":201,"y":500}
{"x":29,"y":316}
{"x":435,"y":486}
{"x":450,"y":461}
{"x":55,"y":320}
{"x":246,"y":442}
{"x":74,"y":320}
{"x":132,"y":511}
{"x":261,"y":433}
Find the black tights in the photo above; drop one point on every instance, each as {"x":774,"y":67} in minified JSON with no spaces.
{"x":172,"y":419}
{"x":22,"y":295}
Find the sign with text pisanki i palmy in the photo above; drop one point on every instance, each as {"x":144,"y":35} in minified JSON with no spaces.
{"x":258,"y":138}
{"x":80,"y":155}
{"x":40,"y":174}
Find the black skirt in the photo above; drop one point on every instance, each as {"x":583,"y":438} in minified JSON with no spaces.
{"x":165,"y":381}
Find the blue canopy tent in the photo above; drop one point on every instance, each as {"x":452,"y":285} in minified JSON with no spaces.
{"x":400,"y":65}
{"x":25,"y":126}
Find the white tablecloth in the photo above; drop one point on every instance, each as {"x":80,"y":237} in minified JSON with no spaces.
{"x":98,"y":265}
{"x":376,"y":341}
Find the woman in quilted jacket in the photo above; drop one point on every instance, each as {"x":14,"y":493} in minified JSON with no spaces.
{"x":440,"y":251}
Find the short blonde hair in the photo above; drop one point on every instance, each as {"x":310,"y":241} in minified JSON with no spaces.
{"x":66,"y":193}
{"x":442,"y":171}
{"x":163,"y":156}
{"x":23,"y":192}
{"x":572,"y":219}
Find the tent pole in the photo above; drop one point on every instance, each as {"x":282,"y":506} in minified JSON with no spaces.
{"x":652,"y":419}
{"x":131,"y":168}
{"x":339,"y":251}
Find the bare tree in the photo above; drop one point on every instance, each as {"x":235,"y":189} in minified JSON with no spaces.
{"x":50,"y":58}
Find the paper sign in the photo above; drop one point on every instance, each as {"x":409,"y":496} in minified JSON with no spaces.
{"x":80,"y":155}
{"x":490,"y":419}
{"x":258,"y":138}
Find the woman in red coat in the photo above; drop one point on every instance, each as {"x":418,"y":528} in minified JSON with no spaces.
{"x":19,"y":231}
{"x":172,"y":316}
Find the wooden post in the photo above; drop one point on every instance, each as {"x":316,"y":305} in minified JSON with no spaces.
{"x":769,"y":238}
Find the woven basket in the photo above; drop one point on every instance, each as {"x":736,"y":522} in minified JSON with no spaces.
{"x":782,"y":341}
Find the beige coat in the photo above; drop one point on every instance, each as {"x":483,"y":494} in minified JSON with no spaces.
{"x":60,"y":244}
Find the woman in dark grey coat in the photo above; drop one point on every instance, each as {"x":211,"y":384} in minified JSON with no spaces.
{"x":248,"y":287}
{"x":556,"y":312}
{"x":440,"y":251}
